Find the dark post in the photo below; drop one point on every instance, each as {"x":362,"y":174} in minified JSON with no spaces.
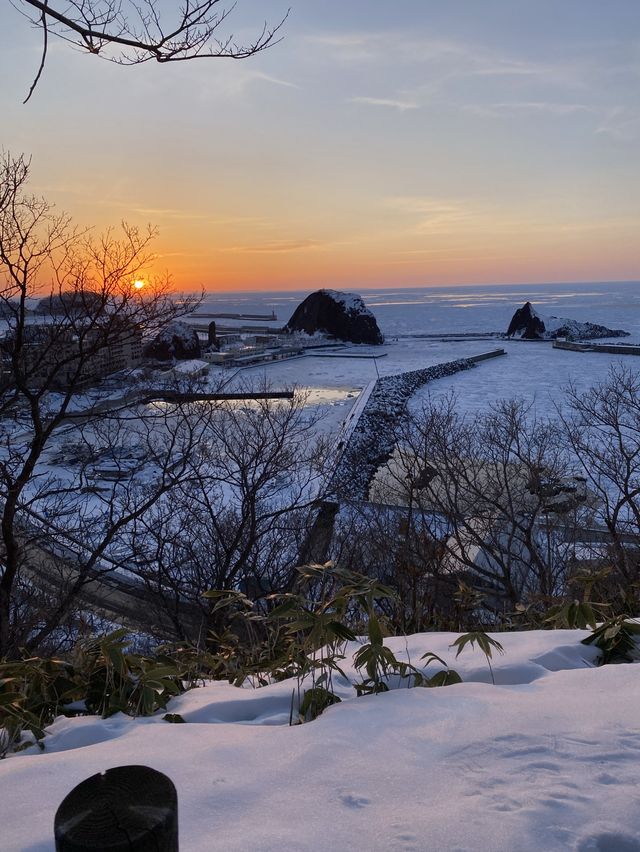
{"x":212,"y":338}
{"x":126,"y":809}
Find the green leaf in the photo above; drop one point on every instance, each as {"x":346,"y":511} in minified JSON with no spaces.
{"x":483,"y":640}
{"x":445,"y":678}
{"x":375,"y":633}
{"x":342,"y":631}
{"x":316,"y":700}
{"x":430,"y":657}
{"x":285,"y":608}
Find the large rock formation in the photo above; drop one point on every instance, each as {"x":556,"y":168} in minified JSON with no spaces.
{"x":176,"y":340}
{"x":527,"y":324}
{"x":342,"y":315}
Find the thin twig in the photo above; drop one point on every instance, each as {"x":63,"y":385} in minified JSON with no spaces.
{"x":45,"y":44}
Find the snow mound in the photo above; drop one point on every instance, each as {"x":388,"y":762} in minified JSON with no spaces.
{"x":546,"y":762}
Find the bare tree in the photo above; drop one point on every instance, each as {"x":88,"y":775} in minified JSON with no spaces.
{"x":241,"y":518}
{"x":602,"y":428}
{"x":403,"y":547}
{"x":495,"y":491}
{"x":48,"y":358}
{"x":129,"y":32}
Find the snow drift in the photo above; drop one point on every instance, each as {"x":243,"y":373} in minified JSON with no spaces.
{"x":546,"y":759}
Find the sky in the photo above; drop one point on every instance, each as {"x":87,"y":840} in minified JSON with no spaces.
{"x":380,"y":143}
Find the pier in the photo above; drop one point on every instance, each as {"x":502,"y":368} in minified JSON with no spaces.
{"x":610,"y":348}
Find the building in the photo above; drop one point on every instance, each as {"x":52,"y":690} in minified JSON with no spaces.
{"x":59,"y":356}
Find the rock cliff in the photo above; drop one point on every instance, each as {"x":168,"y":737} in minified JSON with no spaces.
{"x":341,"y":315}
{"x":527,"y":324}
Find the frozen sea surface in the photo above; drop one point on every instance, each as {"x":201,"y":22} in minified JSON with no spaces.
{"x":530,"y":370}
{"x":437,"y":310}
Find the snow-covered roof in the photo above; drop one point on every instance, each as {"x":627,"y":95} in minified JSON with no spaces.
{"x":190,"y":367}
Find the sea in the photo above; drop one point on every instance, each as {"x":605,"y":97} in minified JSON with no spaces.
{"x":477,"y":308}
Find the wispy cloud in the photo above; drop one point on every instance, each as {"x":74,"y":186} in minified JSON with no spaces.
{"x":621,"y":123}
{"x":348,"y":47}
{"x":432,"y":214}
{"x":401,"y":106}
{"x":236,"y":81}
{"x":169,"y":213}
{"x":445,"y":58}
{"x":278,"y":246}
{"x":505,"y":108}
{"x":177,"y":214}
{"x":473,"y":217}
{"x":260,"y":76}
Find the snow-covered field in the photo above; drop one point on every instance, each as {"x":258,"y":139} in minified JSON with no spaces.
{"x":546,"y":759}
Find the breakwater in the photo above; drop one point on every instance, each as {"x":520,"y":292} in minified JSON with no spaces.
{"x":369,"y":442}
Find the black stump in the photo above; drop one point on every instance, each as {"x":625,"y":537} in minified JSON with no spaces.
{"x":126,"y":809}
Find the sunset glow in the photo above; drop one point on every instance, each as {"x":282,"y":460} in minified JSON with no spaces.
{"x":407,"y":144}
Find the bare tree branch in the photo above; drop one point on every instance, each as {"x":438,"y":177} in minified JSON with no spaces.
{"x":135,"y":32}
{"x":45,"y":44}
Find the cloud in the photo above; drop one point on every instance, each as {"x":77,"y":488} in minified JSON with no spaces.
{"x":504,"y":108}
{"x":433,"y":214}
{"x":443,"y":217}
{"x":349,"y":47}
{"x":620,"y":123}
{"x":269,"y":78}
{"x":453,"y":57}
{"x":168,"y":213}
{"x":231,"y":82}
{"x":402,"y":106}
{"x":279,"y":246}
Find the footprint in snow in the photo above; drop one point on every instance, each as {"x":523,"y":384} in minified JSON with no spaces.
{"x":352,"y":801}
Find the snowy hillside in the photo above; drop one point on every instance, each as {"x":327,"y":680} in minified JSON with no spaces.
{"x":544,"y":760}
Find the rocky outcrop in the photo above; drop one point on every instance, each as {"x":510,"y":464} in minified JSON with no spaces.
{"x":177,"y":340}
{"x":341,"y":315}
{"x":527,"y":324}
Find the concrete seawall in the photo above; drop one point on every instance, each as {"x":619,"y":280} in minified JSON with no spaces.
{"x":610,"y":348}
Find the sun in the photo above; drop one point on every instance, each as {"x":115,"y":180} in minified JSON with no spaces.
{"x":138,"y":284}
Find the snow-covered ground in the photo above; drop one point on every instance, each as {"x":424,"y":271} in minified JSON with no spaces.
{"x":546,"y":759}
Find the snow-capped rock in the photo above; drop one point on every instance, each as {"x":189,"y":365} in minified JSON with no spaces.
{"x":528,"y":324}
{"x":342,"y":315}
{"x":176,"y":340}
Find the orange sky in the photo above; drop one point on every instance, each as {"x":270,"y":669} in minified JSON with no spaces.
{"x":408,"y":144}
